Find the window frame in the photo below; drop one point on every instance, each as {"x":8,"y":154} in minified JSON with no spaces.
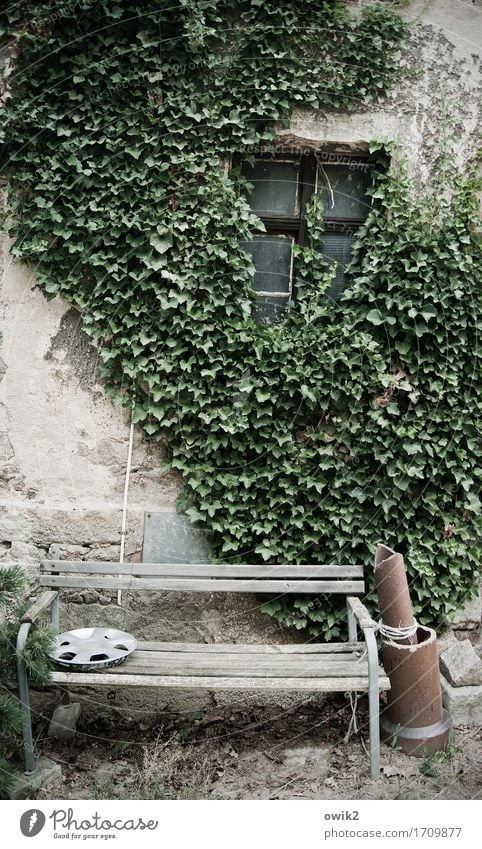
{"x":310,"y":162}
{"x":273,"y":293}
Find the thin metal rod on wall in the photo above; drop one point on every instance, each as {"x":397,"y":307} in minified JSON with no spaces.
{"x":124,"y":504}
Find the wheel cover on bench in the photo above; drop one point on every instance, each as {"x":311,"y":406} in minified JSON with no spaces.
{"x":87,"y":649}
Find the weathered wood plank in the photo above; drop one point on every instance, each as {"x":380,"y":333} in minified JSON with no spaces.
{"x":203,"y":570}
{"x":251,"y":648}
{"x":225,"y":671}
{"x":271,"y":661}
{"x":209,"y":585}
{"x":275,"y":659}
{"x":361,"y":613}
{"x":338,"y":685}
{"x":44,"y":601}
{"x":242,"y":670}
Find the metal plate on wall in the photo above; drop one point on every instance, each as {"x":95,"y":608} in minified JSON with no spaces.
{"x":170,"y":537}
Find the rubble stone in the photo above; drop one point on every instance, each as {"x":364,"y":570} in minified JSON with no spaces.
{"x":64,"y":721}
{"x":461,"y":665}
{"x":464,"y":704}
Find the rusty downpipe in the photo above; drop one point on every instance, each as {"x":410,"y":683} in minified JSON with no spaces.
{"x":414,"y":718}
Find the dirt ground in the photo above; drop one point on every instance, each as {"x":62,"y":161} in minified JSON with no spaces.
{"x":255,"y":753}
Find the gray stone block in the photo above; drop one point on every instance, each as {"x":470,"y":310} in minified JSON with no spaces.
{"x":445,"y":640}
{"x":461,"y":665}
{"x":64,"y":721}
{"x":464,"y":704}
{"x":46,"y":773}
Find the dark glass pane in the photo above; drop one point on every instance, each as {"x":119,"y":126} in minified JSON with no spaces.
{"x":271,"y":257}
{"x":275,"y":189}
{"x":269,"y":310}
{"x":337,"y":247}
{"x":343,"y":190}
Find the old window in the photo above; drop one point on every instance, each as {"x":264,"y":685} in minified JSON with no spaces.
{"x":282,"y":184}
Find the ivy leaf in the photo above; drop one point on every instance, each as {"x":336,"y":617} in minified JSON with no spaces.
{"x":266,"y":552}
{"x":306,"y":392}
{"x":271,"y":607}
{"x":428,"y":312}
{"x":473,"y":504}
{"x":374,"y":317}
{"x":161,"y":244}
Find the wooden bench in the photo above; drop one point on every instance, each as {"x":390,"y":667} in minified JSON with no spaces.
{"x":326,"y":667}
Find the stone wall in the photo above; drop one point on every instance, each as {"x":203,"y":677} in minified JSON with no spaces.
{"x":442,"y":61}
{"x":64,"y":444}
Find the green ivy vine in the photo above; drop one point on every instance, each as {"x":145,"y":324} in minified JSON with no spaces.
{"x":308,"y":441}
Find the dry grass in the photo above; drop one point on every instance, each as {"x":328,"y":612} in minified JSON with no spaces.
{"x":165,"y":771}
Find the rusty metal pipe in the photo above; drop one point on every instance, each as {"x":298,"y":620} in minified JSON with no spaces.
{"x":414,"y":718}
{"x":393,"y":593}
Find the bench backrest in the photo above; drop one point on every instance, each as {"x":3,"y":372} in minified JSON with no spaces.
{"x":205,"y":577}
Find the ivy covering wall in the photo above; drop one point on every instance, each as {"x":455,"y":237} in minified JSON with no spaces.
{"x":308,"y":441}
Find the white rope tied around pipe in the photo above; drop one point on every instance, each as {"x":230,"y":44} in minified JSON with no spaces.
{"x":397,"y":633}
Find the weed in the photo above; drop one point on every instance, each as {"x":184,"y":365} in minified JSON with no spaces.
{"x":431,"y":760}
{"x":161,"y":774}
{"x":394,"y":739}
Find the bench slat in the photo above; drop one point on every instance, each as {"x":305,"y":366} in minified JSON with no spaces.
{"x":203,"y":570}
{"x":255,"y":658}
{"x":251,"y":648}
{"x":149,"y":658}
{"x":256,"y":667}
{"x":226,"y":671}
{"x":210,"y":585}
{"x":329,"y":684}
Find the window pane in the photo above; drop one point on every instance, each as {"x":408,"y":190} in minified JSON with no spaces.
{"x":337,"y":247}
{"x":343,"y":190}
{"x":269,"y":310}
{"x":275,"y":187}
{"x":272,"y":260}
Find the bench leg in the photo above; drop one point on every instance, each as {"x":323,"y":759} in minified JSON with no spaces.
{"x":25,"y":700}
{"x":352,"y":629}
{"x":373,"y":703}
{"x":55,"y":613}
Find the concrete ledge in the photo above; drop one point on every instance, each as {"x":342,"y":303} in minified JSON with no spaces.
{"x":46,"y":773}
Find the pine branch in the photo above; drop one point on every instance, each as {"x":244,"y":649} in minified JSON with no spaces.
{"x":12,"y":582}
{"x":8,"y":641}
{"x":10,"y":716}
{"x":35,"y":657}
{"x":36,"y":654}
{"x":7,"y":778}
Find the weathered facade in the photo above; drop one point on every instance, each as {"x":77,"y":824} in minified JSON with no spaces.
{"x":64,"y":444}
